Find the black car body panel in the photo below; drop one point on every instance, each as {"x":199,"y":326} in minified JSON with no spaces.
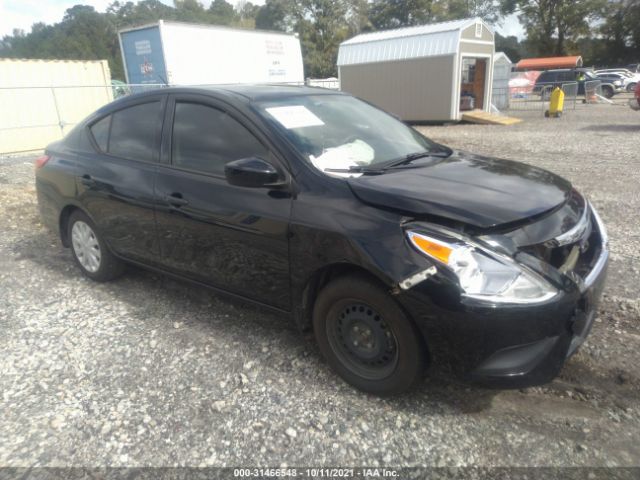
{"x":470,"y":189}
{"x":277,"y":245}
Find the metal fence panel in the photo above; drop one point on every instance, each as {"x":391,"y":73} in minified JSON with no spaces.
{"x":570,"y":95}
{"x":37,"y":116}
{"x":592,"y":90}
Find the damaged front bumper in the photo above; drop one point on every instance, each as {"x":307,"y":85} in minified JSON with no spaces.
{"x":505,"y":346}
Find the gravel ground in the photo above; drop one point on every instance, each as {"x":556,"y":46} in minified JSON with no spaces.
{"x":147,"y":371}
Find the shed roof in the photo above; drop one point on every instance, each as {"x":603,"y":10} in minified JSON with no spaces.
{"x":501,"y":57}
{"x":402,"y":43}
{"x":549,"y":62}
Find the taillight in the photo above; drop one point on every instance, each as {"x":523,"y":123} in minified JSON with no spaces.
{"x":40,"y":161}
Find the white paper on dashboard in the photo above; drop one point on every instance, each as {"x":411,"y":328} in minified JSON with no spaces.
{"x":295,"y":116}
{"x":345,"y":156}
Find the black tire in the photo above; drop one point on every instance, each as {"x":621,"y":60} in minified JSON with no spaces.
{"x":109,"y":266}
{"x":394,"y":350}
{"x":607,"y":92}
{"x":631,"y":87}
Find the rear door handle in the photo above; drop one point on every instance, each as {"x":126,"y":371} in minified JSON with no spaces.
{"x":87,"y":180}
{"x":176,"y":200}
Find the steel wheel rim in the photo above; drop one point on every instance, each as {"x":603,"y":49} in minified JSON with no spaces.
{"x":86,"y":246}
{"x":362,"y":340}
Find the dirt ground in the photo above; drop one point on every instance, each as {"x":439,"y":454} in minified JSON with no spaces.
{"x":148,"y":371}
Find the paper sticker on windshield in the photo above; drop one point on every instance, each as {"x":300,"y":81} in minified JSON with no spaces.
{"x":295,"y":116}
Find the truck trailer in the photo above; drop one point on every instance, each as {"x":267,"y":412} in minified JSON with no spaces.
{"x":176,"y":53}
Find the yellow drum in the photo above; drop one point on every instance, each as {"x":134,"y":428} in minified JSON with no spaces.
{"x":556,"y":103}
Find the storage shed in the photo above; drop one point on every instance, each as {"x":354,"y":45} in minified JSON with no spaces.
{"x":502,"y":67}
{"x":423,"y":73}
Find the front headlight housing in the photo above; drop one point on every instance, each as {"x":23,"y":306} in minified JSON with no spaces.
{"x":482,"y":274}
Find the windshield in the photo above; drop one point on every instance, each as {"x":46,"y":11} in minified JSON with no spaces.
{"x":338,"y":132}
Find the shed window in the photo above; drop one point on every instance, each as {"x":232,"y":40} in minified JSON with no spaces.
{"x":478,"y":30}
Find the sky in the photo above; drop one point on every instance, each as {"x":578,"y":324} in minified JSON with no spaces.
{"x":23,"y":13}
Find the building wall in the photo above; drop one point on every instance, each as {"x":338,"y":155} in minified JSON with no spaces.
{"x":43,"y":99}
{"x":469,"y":33}
{"x":500,"y":86}
{"x":416,"y":90}
{"x":470,"y":49}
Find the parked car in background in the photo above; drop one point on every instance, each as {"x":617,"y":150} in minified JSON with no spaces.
{"x":634,"y":67}
{"x":634,"y":103}
{"x":630,"y":79}
{"x":549,"y":79}
{"x":619,"y":79}
{"x":394,"y":250}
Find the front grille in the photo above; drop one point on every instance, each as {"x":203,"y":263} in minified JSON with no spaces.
{"x":578,"y":256}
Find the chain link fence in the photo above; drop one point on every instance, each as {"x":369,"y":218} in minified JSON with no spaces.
{"x":524,"y":93}
{"x":518,"y":99}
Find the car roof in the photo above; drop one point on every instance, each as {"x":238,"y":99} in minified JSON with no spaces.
{"x":246,"y":92}
{"x":235,"y":93}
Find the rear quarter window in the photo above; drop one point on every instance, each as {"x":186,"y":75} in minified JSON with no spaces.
{"x":100,"y":132}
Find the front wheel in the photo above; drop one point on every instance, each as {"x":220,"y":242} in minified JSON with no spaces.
{"x":607,"y":92}
{"x":366,"y":338}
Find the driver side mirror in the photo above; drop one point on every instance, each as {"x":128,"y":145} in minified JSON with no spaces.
{"x":252,"y":172}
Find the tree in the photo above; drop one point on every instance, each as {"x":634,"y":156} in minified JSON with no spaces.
{"x":222,"y":12}
{"x":488,"y":10}
{"x":620,"y":33}
{"x":554,"y":26}
{"x":147,"y":11}
{"x":247,"y":11}
{"x":387,"y":14}
{"x":321,"y":27}
{"x":275,"y":15}
{"x":511,"y":46}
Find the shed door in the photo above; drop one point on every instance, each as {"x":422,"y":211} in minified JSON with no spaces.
{"x":473,"y":82}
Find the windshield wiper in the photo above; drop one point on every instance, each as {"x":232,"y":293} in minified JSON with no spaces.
{"x":383,"y":167}
{"x":407,"y":159}
{"x":356,"y":169}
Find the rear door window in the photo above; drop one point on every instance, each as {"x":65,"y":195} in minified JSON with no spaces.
{"x":205,"y":139}
{"x":134,"y":132}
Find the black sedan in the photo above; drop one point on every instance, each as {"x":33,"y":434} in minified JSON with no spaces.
{"x":397,"y":252}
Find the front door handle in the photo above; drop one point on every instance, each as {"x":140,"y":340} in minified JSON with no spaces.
{"x":87,"y":180}
{"x":176,"y":200}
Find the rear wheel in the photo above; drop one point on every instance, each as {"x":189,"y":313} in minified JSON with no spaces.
{"x":89,"y":250}
{"x":366,"y":338}
{"x":631,"y":87}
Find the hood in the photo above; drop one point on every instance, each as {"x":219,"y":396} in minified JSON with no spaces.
{"x":478,"y":191}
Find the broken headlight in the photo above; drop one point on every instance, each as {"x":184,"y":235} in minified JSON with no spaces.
{"x":483,"y":274}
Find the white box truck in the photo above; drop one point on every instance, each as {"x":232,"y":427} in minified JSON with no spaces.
{"x":176,"y":53}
